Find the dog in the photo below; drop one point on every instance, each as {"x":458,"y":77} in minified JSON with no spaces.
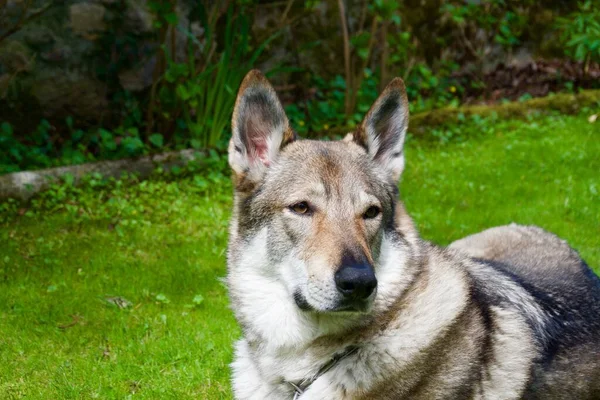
{"x":339,"y":298}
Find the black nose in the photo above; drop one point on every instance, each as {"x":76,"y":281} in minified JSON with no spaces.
{"x":355,"y":280}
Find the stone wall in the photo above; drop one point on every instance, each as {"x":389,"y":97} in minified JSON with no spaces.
{"x":71,"y":58}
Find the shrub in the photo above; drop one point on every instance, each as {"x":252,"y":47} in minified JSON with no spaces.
{"x":581,"y":33}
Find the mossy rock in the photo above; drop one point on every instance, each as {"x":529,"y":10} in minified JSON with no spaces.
{"x":568,"y":104}
{"x":15,"y":57}
{"x":564,"y":103}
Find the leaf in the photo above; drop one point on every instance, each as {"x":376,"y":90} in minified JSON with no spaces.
{"x":69,"y":179}
{"x":132,"y":144}
{"x":120,"y":302}
{"x":171,"y":18}
{"x":200,"y":182}
{"x":182,"y":92}
{"x":161,"y":298}
{"x":108,"y":140}
{"x":363,"y":53}
{"x":6,"y":129}
{"x":196,"y":144}
{"x":156,"y":139}
{"x":580,"y":52}
{"x":198,"y":299}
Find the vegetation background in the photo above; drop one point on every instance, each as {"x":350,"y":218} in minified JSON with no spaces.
{"x":84,"y":80}
{"x":110,"y":287}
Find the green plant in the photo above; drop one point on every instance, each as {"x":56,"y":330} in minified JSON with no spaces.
{"x":42,"y":151}
{"x":207,"y":92}
{"x":510,"y":28}
{"x":358,"y":49}
{"x":10,"y":149}
{"x":581,"y":33}
{"x":476,"y":24}
{"x":388,"y":13}
{"x":38,"y":149}
{"x":198,"y":94}
{"x":326,"y":111}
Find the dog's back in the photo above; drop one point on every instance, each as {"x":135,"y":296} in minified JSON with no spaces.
{"x":567,"y":291}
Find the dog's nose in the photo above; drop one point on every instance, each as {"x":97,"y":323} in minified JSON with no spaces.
{"x":356,"y":280}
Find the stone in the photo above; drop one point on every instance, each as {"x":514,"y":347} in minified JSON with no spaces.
{"x":140,"y":78}
{"x":57,"y":54}
{"x":87,"y":18}
{"x":25,"y":184}
{"x":16,"y":57}
{"x":197,"y":29}
{"x":138,"y":18}
{"x":521,"y":58}
{"x":81,"y":97}
{"x":4,"y":83}
{"x":37,"y":36}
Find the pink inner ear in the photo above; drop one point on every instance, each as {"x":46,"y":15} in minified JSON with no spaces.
{"x":257,"y":131}
{"x":260,"y":150}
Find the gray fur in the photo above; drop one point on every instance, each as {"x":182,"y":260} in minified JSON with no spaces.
{"x":509,"y":313}
{"x":568,"y":365}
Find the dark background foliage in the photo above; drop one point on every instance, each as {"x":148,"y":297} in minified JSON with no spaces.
{"x":84,"y":80}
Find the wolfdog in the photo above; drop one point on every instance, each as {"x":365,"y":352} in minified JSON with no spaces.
{"x":339,"y":298}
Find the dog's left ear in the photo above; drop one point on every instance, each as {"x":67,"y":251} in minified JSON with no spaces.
{"x":259,"y":125}
{"x":383,"y":130}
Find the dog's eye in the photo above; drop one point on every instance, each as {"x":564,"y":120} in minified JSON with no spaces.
{"x":371,"y":212}
{"x":300,"y":208}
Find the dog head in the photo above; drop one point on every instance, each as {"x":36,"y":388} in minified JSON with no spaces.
{"x":318,"y":210}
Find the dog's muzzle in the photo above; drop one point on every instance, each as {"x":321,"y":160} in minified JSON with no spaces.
{"x":355,"y":283}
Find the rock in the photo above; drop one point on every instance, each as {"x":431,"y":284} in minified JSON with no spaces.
{"x":12,"y":8}
{"x":521,"y":58}
{"x":23,"y":185}
{"x":4,"y":83}
{"x":16,"y":57}
{"x":139,"y":78}
{"x":87,"y":18}
{"x":137,"y":18}
{"x":57,"y":54}
{"x":38,"y":36}
{"x":197,"y":29}
{"x":77,"y":96}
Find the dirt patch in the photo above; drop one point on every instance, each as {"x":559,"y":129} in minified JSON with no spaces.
{"x":536,"y":79}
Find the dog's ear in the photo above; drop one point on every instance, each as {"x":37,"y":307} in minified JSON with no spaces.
{"x":383,"y":130}
{"x":259,"y":125}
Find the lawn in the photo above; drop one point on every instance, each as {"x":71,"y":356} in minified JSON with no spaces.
{"x":116,"y":292}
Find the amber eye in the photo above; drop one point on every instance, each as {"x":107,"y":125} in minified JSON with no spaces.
{"x":371,"y":212}
{"x":300,"y":208}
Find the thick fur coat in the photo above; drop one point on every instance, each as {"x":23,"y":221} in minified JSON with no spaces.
{"x":325,"y":268}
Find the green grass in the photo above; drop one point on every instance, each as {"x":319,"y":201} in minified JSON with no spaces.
{"x":159,"y":244}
